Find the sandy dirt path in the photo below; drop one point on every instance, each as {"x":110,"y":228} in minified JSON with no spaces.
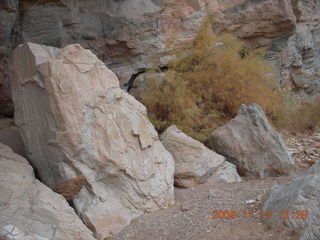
{"x":190,"y":217}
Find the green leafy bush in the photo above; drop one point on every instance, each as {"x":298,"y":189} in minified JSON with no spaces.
{"x":207,"y":82}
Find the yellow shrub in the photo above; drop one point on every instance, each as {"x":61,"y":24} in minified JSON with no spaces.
{"x":207,"y":82}
{"x":308,"y":116}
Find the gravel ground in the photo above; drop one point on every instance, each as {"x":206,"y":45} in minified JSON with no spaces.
{"x":190,"y":217}
{"x":304,"y":147}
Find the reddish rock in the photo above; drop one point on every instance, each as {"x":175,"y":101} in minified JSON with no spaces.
{"x":70,"y":188}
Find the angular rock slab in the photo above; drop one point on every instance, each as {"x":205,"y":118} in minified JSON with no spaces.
{"x":299,"y":195}
{"x":75,"y":120}
{"x":29,"y":210}
{"x":194,"y":162}
{"x":249,"y":142}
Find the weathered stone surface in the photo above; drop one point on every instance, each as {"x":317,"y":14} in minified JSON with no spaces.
{"x":75,"y":120}
{"x":194,"y":162}
{"x":289,"y":30}
{"x":9,"y":135}
{"x":300,"y":195}
{"x":226,"y":172}
{"x":262,"y":19}
{"x":8,"y":14}
{"x":29,"y":210}
{"x":126,"y":35}
{"x":300,"y":61}
{"x":249,"y":142}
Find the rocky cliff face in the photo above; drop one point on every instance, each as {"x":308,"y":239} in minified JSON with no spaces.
{"x":289,"y":29}
{"x":125,"y":35}
{"x":128,"y":35}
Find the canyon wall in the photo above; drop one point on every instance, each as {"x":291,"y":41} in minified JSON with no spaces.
{"x":289,"y":29}
{"x":129,"y":35}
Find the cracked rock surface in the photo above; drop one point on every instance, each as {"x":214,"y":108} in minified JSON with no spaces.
{"x":75,"y":120}
{"x":29,"y":209}
{"x":300,"y":195}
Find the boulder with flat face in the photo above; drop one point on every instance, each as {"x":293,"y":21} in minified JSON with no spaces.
{"x":75,"y":120}
{"x":29,"y":210}
{"x":194,"y":162}
{"x":249,"y":142}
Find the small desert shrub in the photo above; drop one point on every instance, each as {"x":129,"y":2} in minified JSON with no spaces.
{"x":308,"y":115}
{"x":207,"y":82}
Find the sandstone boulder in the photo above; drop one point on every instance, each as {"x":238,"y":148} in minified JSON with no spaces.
{"x":249,"y":142}
{"x":299,"y":203}
{"x":29,"y":210}
{"x":194,"y":162}
{"x":75,"y":120}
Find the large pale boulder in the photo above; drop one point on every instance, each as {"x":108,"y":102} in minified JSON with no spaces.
{"x":29,"y":210}
{"x":194,"y":162}
{"x":249,"y":142}
{"x":299,"y":203}
{"x":75,"y":120}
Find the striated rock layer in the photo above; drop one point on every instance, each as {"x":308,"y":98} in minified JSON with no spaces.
{"x":298,"y":202}
{"x":29,"y":209}
{"x":75,"y":120}
{"x":126,"y":35}
{"x":290,"y":31}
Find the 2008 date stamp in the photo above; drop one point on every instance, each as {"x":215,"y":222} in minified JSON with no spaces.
{"x":250,"y":214}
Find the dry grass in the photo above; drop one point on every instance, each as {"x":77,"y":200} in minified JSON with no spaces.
{"x":308,"y":115}
{"x":208,"y":81}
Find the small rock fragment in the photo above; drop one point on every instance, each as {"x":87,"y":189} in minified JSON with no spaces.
{"x":185,"y":208}
{"x":250,"y":201}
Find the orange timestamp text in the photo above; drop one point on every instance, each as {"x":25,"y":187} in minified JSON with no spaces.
{"x":249,"y":214}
